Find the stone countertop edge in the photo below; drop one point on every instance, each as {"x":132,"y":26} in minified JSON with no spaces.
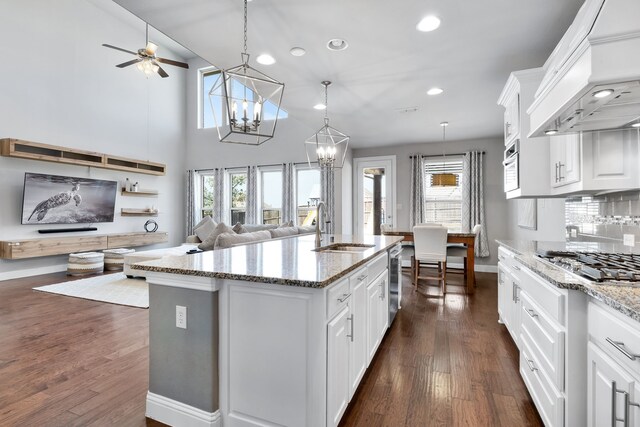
{"x":263,"y":279}
{"x":624,"y":299}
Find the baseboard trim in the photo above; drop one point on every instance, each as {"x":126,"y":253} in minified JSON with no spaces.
{"x":28,"y":272}
{"x":174,"y":413}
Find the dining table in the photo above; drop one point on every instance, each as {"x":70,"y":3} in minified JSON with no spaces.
{"x":468,"y":239}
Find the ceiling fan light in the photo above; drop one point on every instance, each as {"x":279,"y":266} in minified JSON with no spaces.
{"x":151,"y":48}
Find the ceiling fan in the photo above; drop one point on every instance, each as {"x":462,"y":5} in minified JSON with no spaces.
{"x":146,"y":60}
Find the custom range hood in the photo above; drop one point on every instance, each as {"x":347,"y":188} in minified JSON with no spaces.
{"x":592,"y":79}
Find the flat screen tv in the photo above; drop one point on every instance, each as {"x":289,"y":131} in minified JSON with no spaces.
{"x":53,"y":199}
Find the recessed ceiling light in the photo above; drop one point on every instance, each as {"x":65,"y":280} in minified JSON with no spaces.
{"x":603,"y":93}
{"x":444,"y":124}
{"x":320,"y":106}
{"x":297,"y":51}
{"x":265,"y":59}
{"x":428,"y":23}
{"x":550,"y":132}
{"x":636,"y":125}
{"x":337,"y":44}
{"x":434,"y":91}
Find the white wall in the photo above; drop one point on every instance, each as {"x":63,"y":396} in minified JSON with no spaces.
{"x":204,"y":150}
{"x":495,"y":204}
{"x":60,"y":86}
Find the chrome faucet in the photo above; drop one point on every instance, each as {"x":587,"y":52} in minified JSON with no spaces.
{"x":318,"y":230}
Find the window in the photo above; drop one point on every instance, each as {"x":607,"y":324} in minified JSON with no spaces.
{"x":271,"y":196}
{"x":207,"y":186}
{"x":238,"y":194}
{"x":209,"y":76}
{"x":444,"y":203}
{"x":307,"y":195}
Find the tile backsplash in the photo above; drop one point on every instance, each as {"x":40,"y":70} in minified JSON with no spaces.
{"x":603,"y":218}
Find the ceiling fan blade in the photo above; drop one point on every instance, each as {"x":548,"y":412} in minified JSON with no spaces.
{"x":172,"y":62}
{"x":162,"y":72}
{"x":126,"y":64}
{"x":119,"y":48}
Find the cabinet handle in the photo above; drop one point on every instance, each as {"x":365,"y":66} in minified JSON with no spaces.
{"x":531,"y":313}
{"x":513,"y":291}
{"x":361,"y":278}
{"x":382,"y":289}
{"x":344,"y":297}
{"x":614,"y":406}
{"x":531,"y":366}
{"x":515,"y":267}
{"x":500,"y":257}
{"x":560,"y":177}
{"x":619,"y":345}
{"x":516,"y":288}
{"x":556,"y":172}
{"x":350,"y":319}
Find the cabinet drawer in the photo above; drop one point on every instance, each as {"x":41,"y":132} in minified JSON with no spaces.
{"x":546,"y":296}
{"x":377,"y":266}
{"x":618,"y":337}
{"x":337,"y":297}
{"x":548,"y":399}
{"x":545,"y":339}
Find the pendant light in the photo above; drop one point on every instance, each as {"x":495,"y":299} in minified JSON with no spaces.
{"x":328,"y":146}
{"x":245,"y":102}
{"x":444,"y":179}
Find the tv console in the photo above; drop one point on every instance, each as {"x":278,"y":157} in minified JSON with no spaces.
{"x":66,"y":230}
{"x":61,"y":245}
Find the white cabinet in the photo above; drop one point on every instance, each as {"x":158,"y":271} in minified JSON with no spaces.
{"x":533,"y":153}
{"x":595,"y":161}
{"x":338,"y":336}
{"x":358,"y":347}
{"x":564,"y":156}
{"x":377,"y":316}
{"x":613,"y":393}
{"x":508,"y":294}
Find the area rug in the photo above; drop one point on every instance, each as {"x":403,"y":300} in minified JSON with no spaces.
{"x":112,"y":288}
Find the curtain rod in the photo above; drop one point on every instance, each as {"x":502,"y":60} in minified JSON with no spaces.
{"x":241,"y":167}
{"x":444,"y":155}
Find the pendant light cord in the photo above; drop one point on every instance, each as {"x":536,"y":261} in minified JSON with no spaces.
{"x":245,"y":55}
{"x":326,"y":103}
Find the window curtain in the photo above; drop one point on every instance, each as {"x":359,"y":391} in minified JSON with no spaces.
{"x":416,"y":199}
{"x":327,"y":194}
{"x":251,"y":216}
{"x":473,"y":199}
{"x":192,"y":203}
{"x":218,"y":195}
{"x":288,"y":197}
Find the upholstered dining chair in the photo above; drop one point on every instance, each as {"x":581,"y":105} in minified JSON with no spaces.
{"x":460,"y":250}
{"x":430,"y":248}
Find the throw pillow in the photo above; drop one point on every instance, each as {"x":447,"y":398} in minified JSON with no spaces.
{"x":204,"y":228}
{"x":227,"y":240}
{"x":283,"y":232}
{"x":239,"y":228}
{"x":286,"y":224}
{"x":210,"y":241}
{"x":306,"y":229}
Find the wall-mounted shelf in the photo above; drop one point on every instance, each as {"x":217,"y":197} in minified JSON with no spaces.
{"x":46,"y":246}
{"x":52,"y":153}
{"x":137,"y":212}
{"x":140,"y":193}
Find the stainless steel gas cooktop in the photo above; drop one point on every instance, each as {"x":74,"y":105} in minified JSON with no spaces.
{"x":597,"y":266}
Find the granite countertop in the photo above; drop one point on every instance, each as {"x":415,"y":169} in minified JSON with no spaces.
{"x":287,"y":261}
{"x":625,"y":299}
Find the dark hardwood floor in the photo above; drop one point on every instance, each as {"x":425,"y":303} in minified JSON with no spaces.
{"x":72,"y":362}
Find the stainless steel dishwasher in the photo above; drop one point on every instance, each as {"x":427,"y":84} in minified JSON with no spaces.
{"x":395,"y":281}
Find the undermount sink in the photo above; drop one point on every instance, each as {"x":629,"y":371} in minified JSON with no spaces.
{"x":344,"y":247}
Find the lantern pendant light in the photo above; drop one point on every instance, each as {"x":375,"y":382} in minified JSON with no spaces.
{"x":328,"y":146}
{"x":245,"y":103}
{"x":444,"y":179}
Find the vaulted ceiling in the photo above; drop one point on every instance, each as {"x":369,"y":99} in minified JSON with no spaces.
{"x":388,"y":66}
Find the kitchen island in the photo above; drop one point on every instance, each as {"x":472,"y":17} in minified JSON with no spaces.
{"x":271,"y":333}
{"x":579,"y":339}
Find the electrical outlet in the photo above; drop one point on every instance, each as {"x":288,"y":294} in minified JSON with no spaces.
{"x":629,"y":239}
{"x":181,"y":317}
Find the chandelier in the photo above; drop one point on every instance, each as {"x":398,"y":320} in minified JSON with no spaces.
{"x":328,"y":146}
{"x":444,"y":179}
{"x":245,"y":102}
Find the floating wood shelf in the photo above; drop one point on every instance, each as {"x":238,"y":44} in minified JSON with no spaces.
{"x":137,"y":212}
{"x":52,"y":153}
{"x":32,"y":248}
{"x":140,"y":193}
